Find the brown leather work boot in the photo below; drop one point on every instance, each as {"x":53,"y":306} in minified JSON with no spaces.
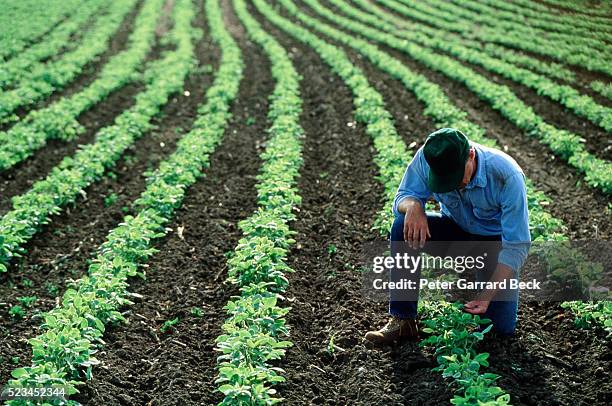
{"x":395,"y":330}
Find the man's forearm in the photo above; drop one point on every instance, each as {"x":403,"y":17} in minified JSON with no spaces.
{"x":502,"y":272}
{"x":408,"y":203}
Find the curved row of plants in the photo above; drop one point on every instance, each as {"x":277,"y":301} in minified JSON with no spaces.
{"x":551,"y":69}
{"x":23,"y":22}
{"x":55,"y":75}
{"x":252,"y":335}
{"x":59,"y":120}
{"x":471,"y":22}
{"x":578,"y":7}
{"x":583,"y":27}
{"x":604,"y":89}
{"x":370,"y":111}
{"x":550,"y":38}
{"x":563,"y":53}
{"x":567,"y":96}
{"x":59,"y":39}
{"x":66,"y":181}
{"x":541,"y":12}
{"x":564,"y":263}
{"x":64,"y":354}
{"x":570,"y":147}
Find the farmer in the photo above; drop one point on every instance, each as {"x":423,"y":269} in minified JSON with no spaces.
{"x":482,"y":197}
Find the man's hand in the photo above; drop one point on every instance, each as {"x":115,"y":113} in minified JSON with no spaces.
{"x":416,"y":229}
{"x":477,"y":306}
{"x":481,"y":304}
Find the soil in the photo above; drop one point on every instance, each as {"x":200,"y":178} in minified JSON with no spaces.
{"x":560,"y":182}
{"x":118,"y":43}
{"x":597,"y":139}
{"x":62,"y":252}
{"x":178,"y":367}
{"x":337,"y":181}
{"x":20,"y":178}
{"x":551,"y":175}
{"x":549,"y":361}
{"x":584,"y":76}
{"x":529,"y":355}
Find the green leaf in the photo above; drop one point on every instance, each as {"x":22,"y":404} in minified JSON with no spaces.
{"x":19,"y":372}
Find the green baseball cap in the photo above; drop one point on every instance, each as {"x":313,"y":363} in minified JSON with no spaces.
{"x":446,"y":151}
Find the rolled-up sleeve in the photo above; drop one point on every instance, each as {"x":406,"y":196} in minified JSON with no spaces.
{"x":414,"y":182}
{"x":516,"y":239}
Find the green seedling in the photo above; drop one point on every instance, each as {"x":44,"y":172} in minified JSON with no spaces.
{"x":197,"y":312}
{"x":27,"y":301}
{"x":331,"y":348}
{"x":17,"y":312}
{"x":169,"y":324}
{"x":52,"y":289}
{"x":111,"y":199}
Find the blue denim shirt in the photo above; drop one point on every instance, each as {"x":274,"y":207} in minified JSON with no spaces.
{"x":493,"y":203}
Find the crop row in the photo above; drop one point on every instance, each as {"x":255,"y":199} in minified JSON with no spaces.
{"x":470,"y":22}
{"x":370,"y":111}
{"x":582,"y":105}
{"x":253,"y":333}
{"x":568,"y":146}
{"x":64,"y":354}
{"x":34,"y":208}
{"x":605,"y":89}
{"x":58,"y":120}
{"x":51,"y":45}
{"x":592,"y":314}
{"x":582,"y":27}
{"x":57,"y":74}
{"x":603,"y":11}
{"x":564,"y":262}
{"x":564,"y":53}
{"x":552,"y":69}
{"x":544,"y":13}
{"x":453,"y":13}
{"x":22,"y":22}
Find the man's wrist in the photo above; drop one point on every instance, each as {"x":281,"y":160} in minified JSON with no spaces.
{"x":408,"y":202}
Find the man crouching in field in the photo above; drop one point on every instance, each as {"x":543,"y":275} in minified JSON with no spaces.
{"x":482,"y":197}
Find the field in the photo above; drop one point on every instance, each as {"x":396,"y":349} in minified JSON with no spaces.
{"x":187,"y":187}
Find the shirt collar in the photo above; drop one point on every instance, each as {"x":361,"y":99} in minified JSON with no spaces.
{"x":480,"y":179}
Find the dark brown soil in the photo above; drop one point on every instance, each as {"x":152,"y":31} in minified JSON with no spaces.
{"x":583,"y":75}
{"x":532,"y":371}
{"x":551,"y":175}
{"x":62,"y":251}
{"x":141,"y":365}
{"x":592,"y":221}
{"x":19,"y":179}
{"x":550,"y":361}
{"x":338,"y":181}
{"x":597,"y":139}
{"x":118,"y":43}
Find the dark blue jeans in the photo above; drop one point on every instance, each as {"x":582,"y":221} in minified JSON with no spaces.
{"x":442,"y":228}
